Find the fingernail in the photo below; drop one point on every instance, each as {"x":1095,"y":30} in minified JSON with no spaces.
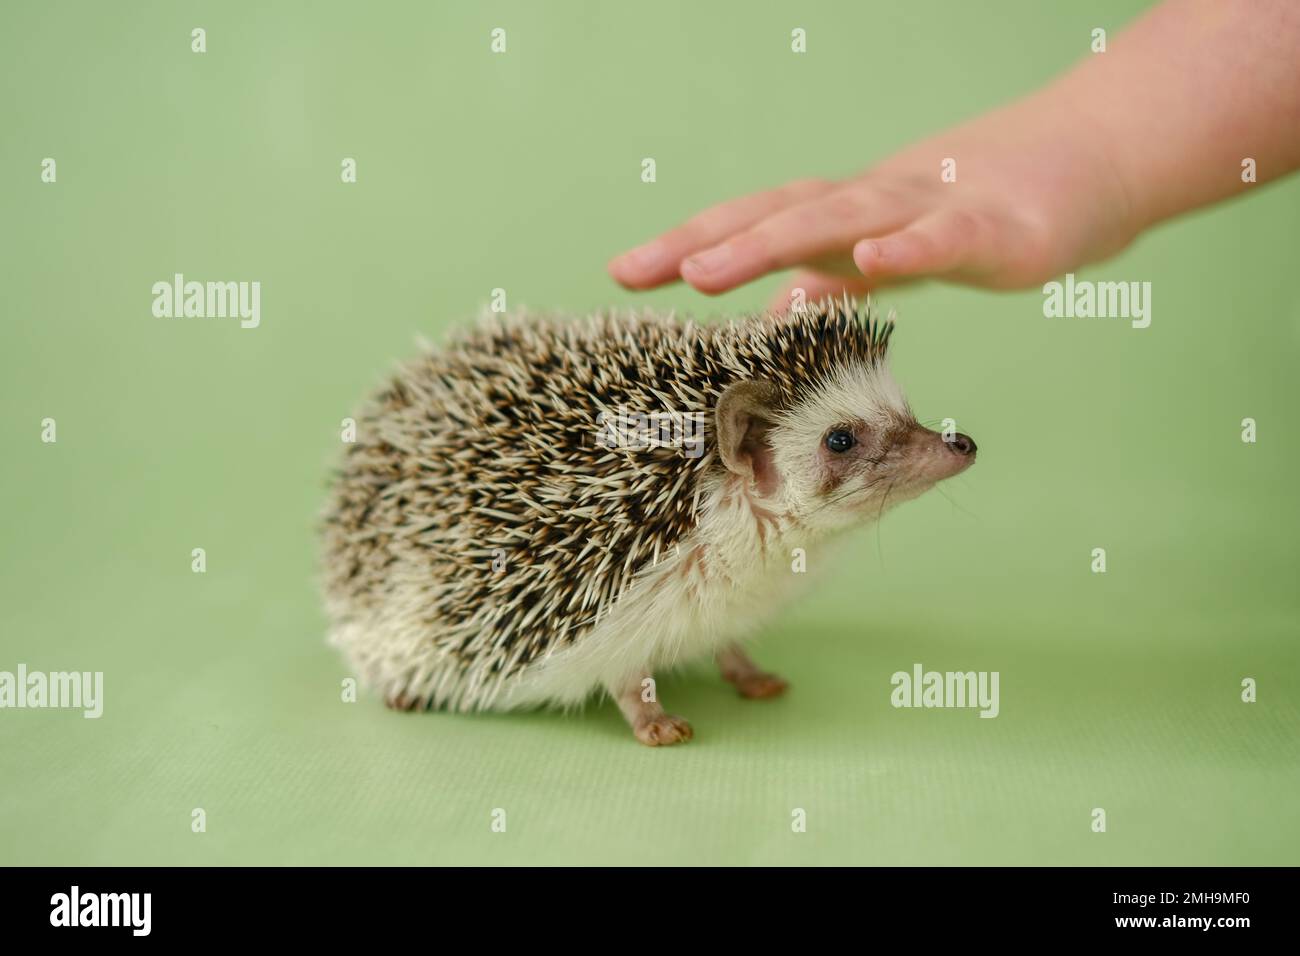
{"x":643,"y":258}
{"x":709,"y":261}
{"x":866,"y":255}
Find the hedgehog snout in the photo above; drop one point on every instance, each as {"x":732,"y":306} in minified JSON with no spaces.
{"x":930,"y":456}
{"x":962,"y":445}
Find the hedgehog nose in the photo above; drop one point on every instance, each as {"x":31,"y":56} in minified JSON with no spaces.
{"x":963,"y":445}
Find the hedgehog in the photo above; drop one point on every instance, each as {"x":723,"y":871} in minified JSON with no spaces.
{"x":551,"y":507}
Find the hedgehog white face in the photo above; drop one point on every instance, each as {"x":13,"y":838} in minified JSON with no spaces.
{"x":846,"y":451}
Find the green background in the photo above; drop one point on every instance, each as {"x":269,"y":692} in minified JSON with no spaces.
{"x":522,"y":171}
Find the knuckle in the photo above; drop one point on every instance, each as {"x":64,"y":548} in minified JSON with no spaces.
{"x":708,"y":221}
{"x":843,"y":205}
{"x":755,"y":248}
{"x":910,"y":245}
{"x":964,"y":223}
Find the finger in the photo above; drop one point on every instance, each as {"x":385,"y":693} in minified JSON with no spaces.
{"x":798,"y":234}
{"x":809,"y":287}
{"x":938,"y":244}
{"x":659,"y":260}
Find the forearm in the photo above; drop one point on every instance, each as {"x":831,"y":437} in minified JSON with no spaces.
{"x":1187,"y":93}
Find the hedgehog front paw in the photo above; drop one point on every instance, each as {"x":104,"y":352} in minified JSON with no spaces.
{"x":661,"y":730}
{"x":760,"y":685}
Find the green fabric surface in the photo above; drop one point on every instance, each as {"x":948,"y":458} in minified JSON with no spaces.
{"x":1119,"y":691}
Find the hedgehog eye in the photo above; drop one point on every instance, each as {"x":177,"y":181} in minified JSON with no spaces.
{"x":840,"y":440}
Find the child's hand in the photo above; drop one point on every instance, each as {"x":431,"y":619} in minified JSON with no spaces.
{"x":1029,"y":201}
{"x":1161,"y":122}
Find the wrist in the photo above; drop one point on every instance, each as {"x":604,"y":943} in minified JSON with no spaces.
{"x":1121,"y":193}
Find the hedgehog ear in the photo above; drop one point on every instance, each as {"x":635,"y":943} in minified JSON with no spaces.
{"x":745,"y":413}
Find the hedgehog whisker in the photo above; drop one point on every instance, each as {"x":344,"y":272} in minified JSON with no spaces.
{"x":952,"y":501}
{"x":880,"y":550}
{"x":850,"y":491}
